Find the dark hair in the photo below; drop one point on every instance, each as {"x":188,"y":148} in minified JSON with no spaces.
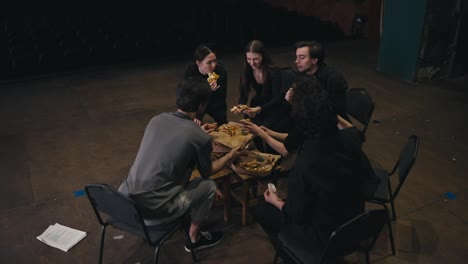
{"x":255,"y":46}
{"x":201,"y":52}
{"x":191,"y":93}
{"x":316,"y":50}
{"x":311,"y":108}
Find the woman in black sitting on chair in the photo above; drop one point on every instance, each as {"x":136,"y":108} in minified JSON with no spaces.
{"x":325,"y":185}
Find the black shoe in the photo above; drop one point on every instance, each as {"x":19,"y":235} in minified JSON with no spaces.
{"x":206,"y":240}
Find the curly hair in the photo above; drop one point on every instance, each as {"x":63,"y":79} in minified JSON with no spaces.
{"x":311,"y":108}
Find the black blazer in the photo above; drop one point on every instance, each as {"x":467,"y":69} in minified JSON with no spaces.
{"x":326,"y":184}
{"x":217,"y":101}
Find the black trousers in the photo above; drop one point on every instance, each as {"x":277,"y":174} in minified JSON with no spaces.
{"x":272,"y":221}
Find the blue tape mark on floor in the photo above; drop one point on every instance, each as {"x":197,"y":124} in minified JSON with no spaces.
{"x":79,"y":193}
{"x":450,"y":196}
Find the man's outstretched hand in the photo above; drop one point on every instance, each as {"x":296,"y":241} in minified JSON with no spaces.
{"x":209,"y":127}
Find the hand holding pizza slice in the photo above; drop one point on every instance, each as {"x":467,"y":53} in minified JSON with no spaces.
{"x":238,"y":109}
{"x":212,"y":77}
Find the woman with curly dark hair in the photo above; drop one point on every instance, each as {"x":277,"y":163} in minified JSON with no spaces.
{"x":267,"y":105}
{"x":325,"y":184}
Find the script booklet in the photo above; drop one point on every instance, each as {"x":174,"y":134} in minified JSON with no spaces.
{"x":61,"y":237}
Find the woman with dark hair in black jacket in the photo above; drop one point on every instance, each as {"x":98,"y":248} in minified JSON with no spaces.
{"x":326,"y":183}
{"x":206,"y":66}
{"x":267,"y":106}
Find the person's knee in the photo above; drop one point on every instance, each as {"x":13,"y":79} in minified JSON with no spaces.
{"x":212,"y":187}
{"x":209,"y":187}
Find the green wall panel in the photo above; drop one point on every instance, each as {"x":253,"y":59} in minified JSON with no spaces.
{"x":401,"y":37}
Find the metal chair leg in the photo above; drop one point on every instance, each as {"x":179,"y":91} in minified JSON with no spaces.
{"x":393,"y":210}
{"x":187,"y":237}
{"x":390,"y":192}
{"x":275,"y":260}
{"x":156,"y":254}
{"x":390,"y":231}
{"x":194,"y":258}
{"x":101,"y":250}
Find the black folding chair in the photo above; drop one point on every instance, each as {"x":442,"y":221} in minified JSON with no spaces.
{"x":384,"y":193}
{"x":357,"y":235}
{"x":123,"y":214}
{"x":360,"y":106}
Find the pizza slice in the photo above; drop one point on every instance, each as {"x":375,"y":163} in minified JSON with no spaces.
{"x":212,"y":77}
{"x":228,"y":129}
{"x":238,"y":109}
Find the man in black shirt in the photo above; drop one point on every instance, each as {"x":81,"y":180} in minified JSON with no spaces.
{"x":310,"y":61}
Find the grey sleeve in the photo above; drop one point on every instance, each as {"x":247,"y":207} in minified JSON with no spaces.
{"x":204,"y":159}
